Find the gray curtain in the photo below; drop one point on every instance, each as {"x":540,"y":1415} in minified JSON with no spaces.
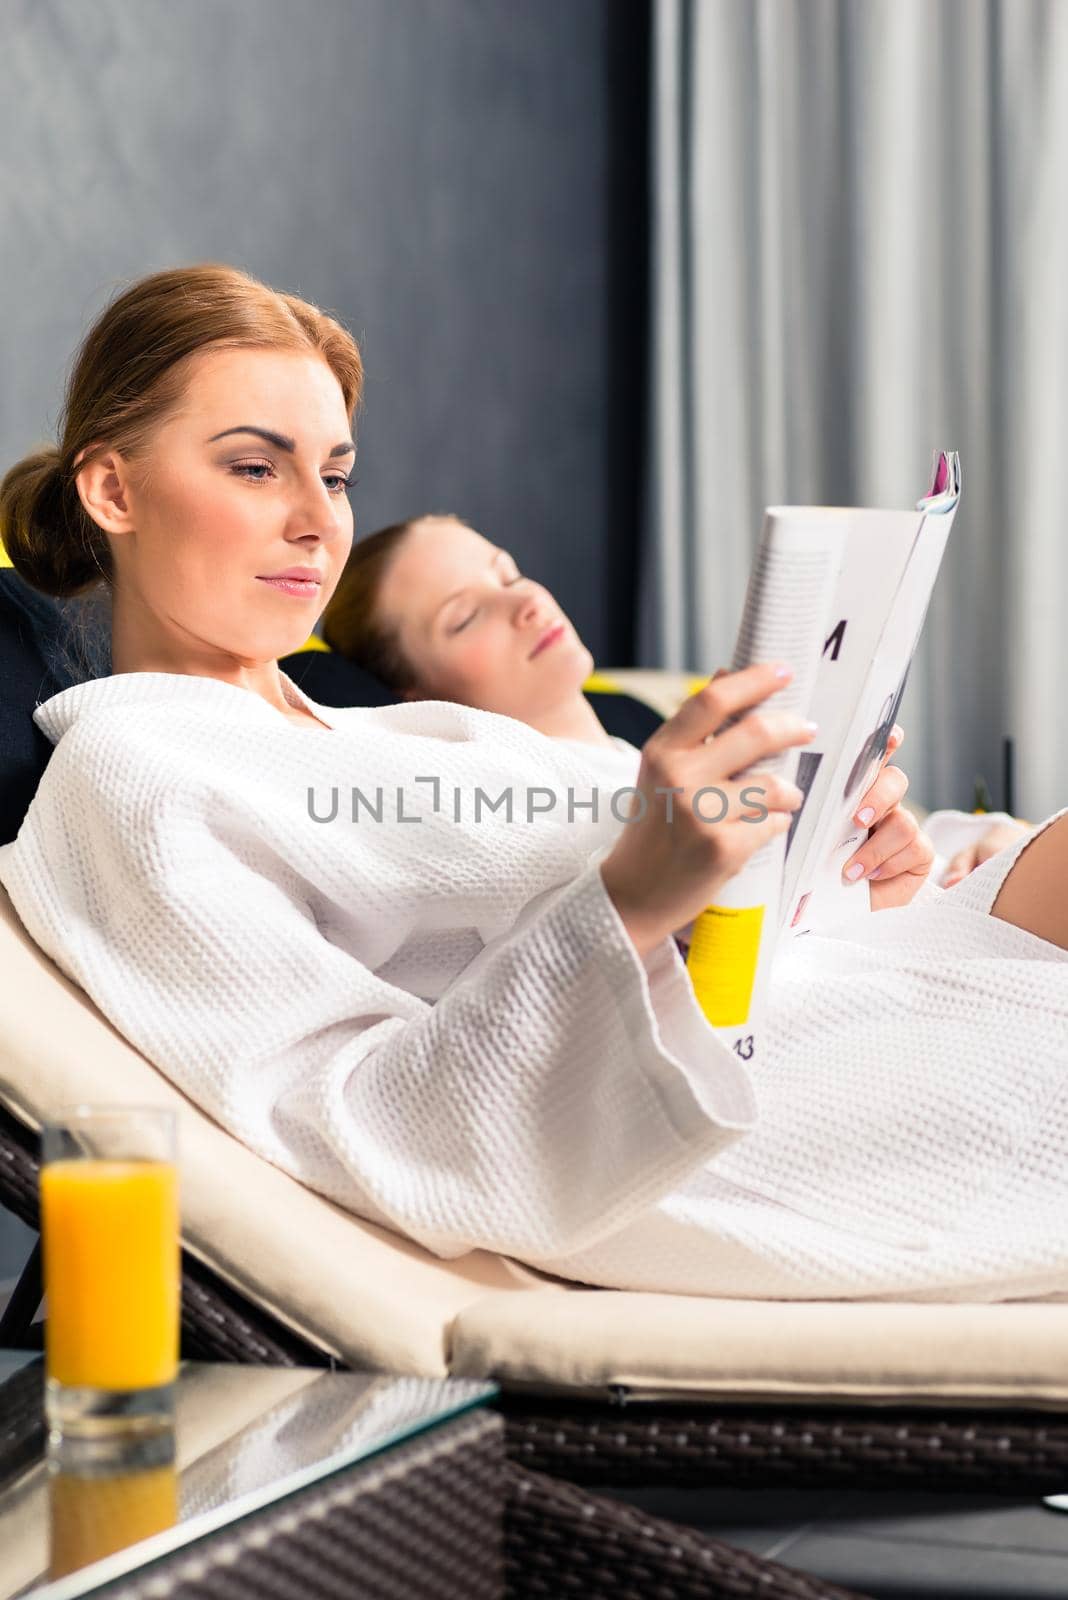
{"x":860,"y":215}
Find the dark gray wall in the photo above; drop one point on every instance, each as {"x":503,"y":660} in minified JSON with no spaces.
{"x":450,"y":176}
{"x":462,"y":181}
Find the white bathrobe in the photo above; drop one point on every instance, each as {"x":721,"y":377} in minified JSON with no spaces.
{"x":439,"y":1021}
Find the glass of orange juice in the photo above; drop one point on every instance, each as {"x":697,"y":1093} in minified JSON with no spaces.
{"x":109,"y":1231}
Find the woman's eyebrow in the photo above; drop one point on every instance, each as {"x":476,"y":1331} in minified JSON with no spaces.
{"x":458,"y":592}
{"x":282,"y":440}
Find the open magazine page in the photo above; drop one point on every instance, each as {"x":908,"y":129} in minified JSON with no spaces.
{"x":841,"y":594}
{"x":890,"y":563}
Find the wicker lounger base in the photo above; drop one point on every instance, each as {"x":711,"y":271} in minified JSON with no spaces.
{"x":444,"y":1515}
{"x":656,"y":1443}
{"x":998,"y":1452}
{"x":420,"y":1527}
{"x":561,"y":1540}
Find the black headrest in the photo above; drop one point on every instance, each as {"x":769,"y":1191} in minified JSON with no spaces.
{"x":624,"y":716}
{"x":32,"y":639}
{"x":333,"y":680}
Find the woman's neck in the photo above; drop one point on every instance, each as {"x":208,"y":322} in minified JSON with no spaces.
{"x":573,"y":718}
{"x":131,"y":651}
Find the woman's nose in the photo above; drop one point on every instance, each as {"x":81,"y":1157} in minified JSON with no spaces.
{"x":533,"y":607}
{"x":313,"y":513}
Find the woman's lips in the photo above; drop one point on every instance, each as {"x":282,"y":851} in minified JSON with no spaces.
{"x":303,"y":588}
{"x":550,"y":638}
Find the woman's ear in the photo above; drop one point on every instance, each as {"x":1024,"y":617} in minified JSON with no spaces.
{"x":101,"y":487}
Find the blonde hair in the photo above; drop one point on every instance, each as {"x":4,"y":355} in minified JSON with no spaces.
{"x":129,"y":375}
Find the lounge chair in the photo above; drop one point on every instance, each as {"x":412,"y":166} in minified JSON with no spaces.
{"x":599,"y":1386}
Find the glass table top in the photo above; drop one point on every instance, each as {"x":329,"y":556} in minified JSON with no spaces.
{"x":244,"y":1437}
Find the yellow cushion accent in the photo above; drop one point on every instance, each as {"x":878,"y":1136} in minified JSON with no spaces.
{"x":313,"y":642}
{"x":659,"y":688}
{"x":5,"y":559}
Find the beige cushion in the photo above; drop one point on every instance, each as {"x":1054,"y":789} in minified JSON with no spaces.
{"x":680,"y":1345}
{"x":381,"y":1302}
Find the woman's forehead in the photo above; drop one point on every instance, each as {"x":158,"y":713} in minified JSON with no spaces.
{"x":441,"y":547}
{"x":439,"y":556}
{"x":293,"y":392}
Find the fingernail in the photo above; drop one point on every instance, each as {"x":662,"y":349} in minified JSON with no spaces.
{"x":866,"y":815}
{"x":897,"y":732}
{"x":855,"y":871}
{"x":783,"y":671}
{"x":812,"y":727}
{"x":876,"y":874}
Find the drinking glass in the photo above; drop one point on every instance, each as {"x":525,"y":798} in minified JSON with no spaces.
{"x":109,"y":1231}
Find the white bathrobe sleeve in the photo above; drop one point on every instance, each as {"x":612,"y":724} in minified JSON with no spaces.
{"x":559,"y":1087}
{"x":950,"y":831}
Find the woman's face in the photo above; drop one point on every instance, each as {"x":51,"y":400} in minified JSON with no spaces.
{"x":473,"y":629}
{"x":216,"y":509}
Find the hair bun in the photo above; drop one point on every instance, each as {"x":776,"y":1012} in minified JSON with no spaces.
{"x":45,"y":530}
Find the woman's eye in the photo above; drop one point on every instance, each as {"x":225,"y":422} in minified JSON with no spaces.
{"x":461,"y":626}
{"x":337,"y":483}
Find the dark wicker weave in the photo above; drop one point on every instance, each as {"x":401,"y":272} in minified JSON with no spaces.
{"x":219,"y":1324}
{"x":687,"y":1446}
{"x":21,"y":1423}
{"x":1005,"y":1451}
{"x":424,"y":1520}
{"x":561,"y":1540}
{"x":443,"y":1515}
{"x":18,"y":1168}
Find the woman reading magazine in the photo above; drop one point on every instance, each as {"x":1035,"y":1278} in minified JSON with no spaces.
{"x":478,"y":1029}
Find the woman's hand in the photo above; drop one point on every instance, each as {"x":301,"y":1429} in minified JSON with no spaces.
{"x":684,"y":844}
{"x":997,"y":837}
{"x":897,"y":856}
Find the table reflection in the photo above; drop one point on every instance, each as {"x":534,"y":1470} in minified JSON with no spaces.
{"x":93,"y":1513}
{"x":243,"y":1437}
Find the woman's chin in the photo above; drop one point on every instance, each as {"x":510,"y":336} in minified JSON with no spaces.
{"x":559,"y":681}
{"x":579,"y":665}
{"x":566,"y":663}
{"x":275,"y":647}
{"x":580,"y":659}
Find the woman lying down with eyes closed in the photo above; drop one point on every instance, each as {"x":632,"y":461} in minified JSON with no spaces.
{"x":484,"y":1035}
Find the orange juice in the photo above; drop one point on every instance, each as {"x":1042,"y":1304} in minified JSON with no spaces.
{"x":111,"y":1272}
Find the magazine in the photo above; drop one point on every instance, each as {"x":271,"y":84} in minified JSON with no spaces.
{"x":841,"y":594}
